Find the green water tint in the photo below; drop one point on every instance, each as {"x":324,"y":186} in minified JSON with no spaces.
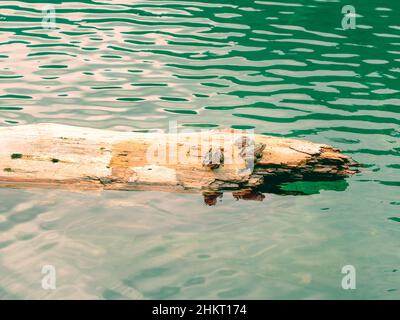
{"x":281,"y":68}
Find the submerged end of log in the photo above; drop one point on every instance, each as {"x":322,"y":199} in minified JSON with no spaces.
{"x":51,"y":155}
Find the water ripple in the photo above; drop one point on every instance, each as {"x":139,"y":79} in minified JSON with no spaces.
{"x":282,"y":68}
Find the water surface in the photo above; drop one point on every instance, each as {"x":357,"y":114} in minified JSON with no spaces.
{"x":281,"y":68}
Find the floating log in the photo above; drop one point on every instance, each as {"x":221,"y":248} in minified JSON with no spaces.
{"x":53,"y":155}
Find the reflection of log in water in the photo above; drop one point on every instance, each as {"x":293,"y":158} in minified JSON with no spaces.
{"x":292,"y":188}
{"x":51,"y":155}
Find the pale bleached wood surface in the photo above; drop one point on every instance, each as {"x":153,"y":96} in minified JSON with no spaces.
{"x":52,"y":155}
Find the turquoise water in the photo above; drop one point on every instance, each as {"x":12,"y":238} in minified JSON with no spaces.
{"x":282,"y":68}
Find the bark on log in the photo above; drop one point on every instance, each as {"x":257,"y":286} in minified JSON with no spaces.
{"x":52,"y":155}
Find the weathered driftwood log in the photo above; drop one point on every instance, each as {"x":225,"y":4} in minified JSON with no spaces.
{"x":73,"y":157}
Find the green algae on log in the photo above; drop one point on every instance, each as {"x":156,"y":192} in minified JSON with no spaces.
{"x":52,"y":155}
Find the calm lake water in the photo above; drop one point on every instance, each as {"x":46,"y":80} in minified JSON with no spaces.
{"x":282,"y":68}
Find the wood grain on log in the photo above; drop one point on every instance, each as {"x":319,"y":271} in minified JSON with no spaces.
{"x":51,"y":155}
